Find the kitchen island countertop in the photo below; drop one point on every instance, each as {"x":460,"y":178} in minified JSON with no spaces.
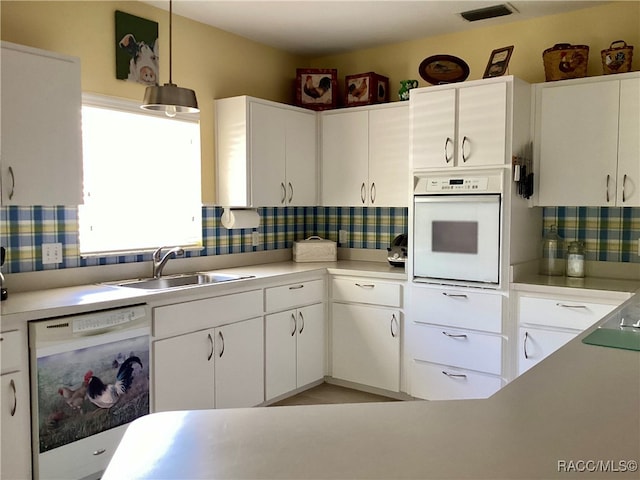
{"x":575,"y":414}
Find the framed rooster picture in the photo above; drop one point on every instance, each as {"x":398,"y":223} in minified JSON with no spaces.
{"x":317,"y":88}
{"x":365,"y":89}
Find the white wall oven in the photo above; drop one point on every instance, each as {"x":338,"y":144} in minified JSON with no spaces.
{"x":89,"y":379}
{"x":457,"y":228}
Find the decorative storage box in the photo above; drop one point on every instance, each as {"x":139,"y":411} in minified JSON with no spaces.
{"x":563,"y":61}
{"x":315,"y":249}
{"x":617,"y":59}
{"x":317,"y":88}
{"x":365,"y":89}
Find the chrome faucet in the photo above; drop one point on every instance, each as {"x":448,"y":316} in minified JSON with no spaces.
{"x":159,"y":261}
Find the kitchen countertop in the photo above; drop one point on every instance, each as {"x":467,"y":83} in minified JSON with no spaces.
{"x":576,"y":413}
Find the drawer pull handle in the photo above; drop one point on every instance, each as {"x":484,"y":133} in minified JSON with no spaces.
{"x":222,"y":340}
{"x":564,"y":305}
{"x":284,"y":193}
{"x":455,"y":335}
{"x":290,"y":194}
{"x":295,"y":327}
{"x":13,"y":183}
{"x":296,"y":287}
{"x":363,"y":193}
{"x":447,"y":157}
{"x":624,"y":182}
{"x":394,"y":320}
{"x":12,"y":384}
{"x":465,"y":140}
{"x":454,"y":295}
{"x":301,"y":323}
{"x":365,"y":285}
{"x":373,"y":192}
{"x":454,"y":375}
{"x":99,"y":452}
{"x":524,"y":344}
{"x":211,"y":345}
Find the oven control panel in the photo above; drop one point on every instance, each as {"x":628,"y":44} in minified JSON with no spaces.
{"x":443,"y":184}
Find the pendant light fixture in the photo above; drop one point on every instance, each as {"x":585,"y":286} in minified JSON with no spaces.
{"x":170,"y":98}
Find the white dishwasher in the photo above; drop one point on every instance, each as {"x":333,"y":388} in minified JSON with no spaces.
{"x":89,"y":379}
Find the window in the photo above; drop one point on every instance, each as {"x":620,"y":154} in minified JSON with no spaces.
{"x":141,"y":179}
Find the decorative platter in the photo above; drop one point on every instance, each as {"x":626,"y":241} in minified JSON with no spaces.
{"x":441,"y":69}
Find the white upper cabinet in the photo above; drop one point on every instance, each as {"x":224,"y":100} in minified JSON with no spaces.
{"x":588,"y":142}
{"x":266,"y":153}
{"x":41,"y":162}
{"x":365,"y":156}
{"x":459,"y":126}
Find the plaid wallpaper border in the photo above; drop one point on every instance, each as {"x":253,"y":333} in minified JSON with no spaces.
{"x":23,"y":230}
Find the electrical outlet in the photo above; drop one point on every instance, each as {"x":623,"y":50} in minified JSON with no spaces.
{"x":51,"y":253}
{"x":342,"y":236}
{"x":255,"y":239}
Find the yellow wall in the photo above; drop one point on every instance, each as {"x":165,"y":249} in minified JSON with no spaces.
{"x":217,"y":64}
{"x":596,"y":27}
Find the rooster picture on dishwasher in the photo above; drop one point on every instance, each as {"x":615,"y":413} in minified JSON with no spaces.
{"x":106,"y":396}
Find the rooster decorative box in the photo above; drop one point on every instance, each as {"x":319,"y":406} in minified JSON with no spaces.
{"x":317,"y":88}
{"x":366,"y":89}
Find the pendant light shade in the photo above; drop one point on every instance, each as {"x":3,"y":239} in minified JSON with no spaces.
{"x":170,"y":98}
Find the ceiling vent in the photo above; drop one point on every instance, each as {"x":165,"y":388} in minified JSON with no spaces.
{"x":488,"y":12}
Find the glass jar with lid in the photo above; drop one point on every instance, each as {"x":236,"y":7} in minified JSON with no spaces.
{"x":552,"y":261}
{"x":575,"y":259}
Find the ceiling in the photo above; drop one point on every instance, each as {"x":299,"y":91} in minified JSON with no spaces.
{"x":318,"y":28}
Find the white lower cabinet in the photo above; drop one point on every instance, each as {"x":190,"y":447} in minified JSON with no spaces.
{"x":366,"y":345}
{"x":294,"y":349}
{"x":534,"y":344}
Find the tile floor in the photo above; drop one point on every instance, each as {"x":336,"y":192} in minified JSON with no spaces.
{"x":326,"y":393}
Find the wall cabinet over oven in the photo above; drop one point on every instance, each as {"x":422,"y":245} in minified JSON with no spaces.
{"x":587,"y":136}
{"x":265,"y":153}
{"x":365,"y":156}
{"x":465,"y":125}
{"x":41,"y":161}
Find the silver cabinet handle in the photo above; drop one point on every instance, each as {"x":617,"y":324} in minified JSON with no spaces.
{"x":624,"y":183}
{"x":454,"y":335}
{"x":564,"y":305}
{"x":284,"y":192}
{"x":465,"y":140}
{"x":293,"y":324}
{"x":210,"y":356}
{"x":365,"y":285}
{"x":394,"y":320}
{"x":100,"y":451}
{"x":608,"y":178}
{"x":13,"y":183}
{"x":524,"y":344}
{"x":447,"y":142}
{"x":454,"y":375}
{"x":290,"y":192}
{"x":363,"y":192}
{"x":454,"y":295}
{"x":373,"y":192}
{"x":296,"y":287}
{"x":301,"y":322}
{"x":12,"y":384}
{"x":222,"y":340}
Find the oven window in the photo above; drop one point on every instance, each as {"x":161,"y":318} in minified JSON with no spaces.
{"x":454,"y":237}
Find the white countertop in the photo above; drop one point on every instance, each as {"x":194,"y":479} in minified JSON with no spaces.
{"x":578,"y":407}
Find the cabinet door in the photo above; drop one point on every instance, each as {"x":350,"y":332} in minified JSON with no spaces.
{"x":239,"y":364}
{"x":268,"y":125}
{"x":310,"y":345}
{"x":578,"y":144}
{"x":536,"y":344}
{"x":482,"y":125}
{"x":15,"y":420}
{"x":366,"y":345}
{"x":280,"y":353}
{"x":301,"y":168}
{"x":345,"y":152}
{"x":389,"y":157}
{"x":183,"y":372}
{"x":628,"y":191}
{"x":433,"y":129}
{"x":41,"y":141}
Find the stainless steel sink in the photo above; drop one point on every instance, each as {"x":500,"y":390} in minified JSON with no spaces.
{"x":184,"y":280}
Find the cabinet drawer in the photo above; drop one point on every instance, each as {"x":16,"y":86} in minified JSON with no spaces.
{"x":358,"y":290}
{"x":11,"y":347}
{"x":457,"y":348}
{"x":536,"y":344}
{"x":294,"y":295}
{"x":211,"y":312}
{"x":577,"y":315}
{"x":438,"y":382}
{"x":457,"y":308}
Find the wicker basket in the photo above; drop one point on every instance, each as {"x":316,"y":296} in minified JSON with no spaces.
{"x":563,"y":61}
{"x":617,"y":59}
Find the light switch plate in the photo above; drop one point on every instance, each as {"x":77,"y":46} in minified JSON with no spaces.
{"x":51,"y":253}
{"x":255,"y":239}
